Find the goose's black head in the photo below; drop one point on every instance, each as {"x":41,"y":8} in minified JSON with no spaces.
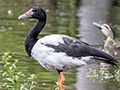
{"x":35,"y":12}
{"x":106,"y":29}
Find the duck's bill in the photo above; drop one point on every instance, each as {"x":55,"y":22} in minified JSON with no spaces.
{"x":97,"y":25}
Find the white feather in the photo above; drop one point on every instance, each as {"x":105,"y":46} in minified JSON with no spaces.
{"x":52,"y":39}
{"x":54,"y":60}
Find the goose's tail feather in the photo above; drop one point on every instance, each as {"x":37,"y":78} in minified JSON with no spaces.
{"x":103,"y":56}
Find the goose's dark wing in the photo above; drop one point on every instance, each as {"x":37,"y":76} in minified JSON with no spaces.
{"x":76,"y":48}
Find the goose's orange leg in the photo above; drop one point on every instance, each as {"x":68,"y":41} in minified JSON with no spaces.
{"x":61,"y":79}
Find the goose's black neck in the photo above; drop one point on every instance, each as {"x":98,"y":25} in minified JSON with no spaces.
{"x":32,"y":36}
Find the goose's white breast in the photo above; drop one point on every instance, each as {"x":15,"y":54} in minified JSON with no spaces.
{"x":53,"y":60}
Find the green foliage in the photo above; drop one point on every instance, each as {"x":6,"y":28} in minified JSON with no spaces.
{"x":58,"y":86}
{"x":11,"y":75}
{"x":103,"y":75}
{"x":29,"y":83}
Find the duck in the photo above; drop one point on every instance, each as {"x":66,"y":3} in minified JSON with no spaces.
{"x":58,"y":52}
{"x":111,"y":45}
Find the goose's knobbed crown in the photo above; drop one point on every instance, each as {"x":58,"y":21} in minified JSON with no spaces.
{"x":36,"y":7}
{"x":39,"y":13}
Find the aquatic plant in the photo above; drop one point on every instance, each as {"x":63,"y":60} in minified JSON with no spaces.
{"x":103,"y":75}
{"x":11,"y":76}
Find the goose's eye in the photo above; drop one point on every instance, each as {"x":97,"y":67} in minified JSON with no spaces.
{"x":34,"y":10}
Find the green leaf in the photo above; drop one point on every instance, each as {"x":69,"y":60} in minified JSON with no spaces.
{"x":10,"y":79}
{"x":8,"y":86}
{"x":4,"y":84}
{"x":10,"y":68}
{"x":1,"y":71}
{"x":23,"y":75}
{"x":1,"y":61}
{"x":4,"y":73}
{"x":14,"y":65}
{"x":15,"y":81}
{"x":16,"y":60}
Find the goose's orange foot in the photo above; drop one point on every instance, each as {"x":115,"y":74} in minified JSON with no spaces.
{"x":59,"y":87}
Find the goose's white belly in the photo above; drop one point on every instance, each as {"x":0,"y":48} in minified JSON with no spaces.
{"x":53,"y":60}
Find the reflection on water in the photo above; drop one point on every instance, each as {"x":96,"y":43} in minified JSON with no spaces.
{"x":89,"y":12}
{"x":62,"y":18}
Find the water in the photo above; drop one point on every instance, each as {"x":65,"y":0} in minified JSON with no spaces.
{"x":69,"y":17}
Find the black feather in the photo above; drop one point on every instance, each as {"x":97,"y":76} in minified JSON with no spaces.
{"x":76,"y":48}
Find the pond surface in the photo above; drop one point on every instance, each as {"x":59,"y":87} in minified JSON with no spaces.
{"x":69,"y":17}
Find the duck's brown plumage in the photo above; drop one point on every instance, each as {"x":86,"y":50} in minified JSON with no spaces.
{"x":111,"y":45}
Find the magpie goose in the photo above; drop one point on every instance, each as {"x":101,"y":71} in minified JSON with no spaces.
{"x":58,"y":52}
